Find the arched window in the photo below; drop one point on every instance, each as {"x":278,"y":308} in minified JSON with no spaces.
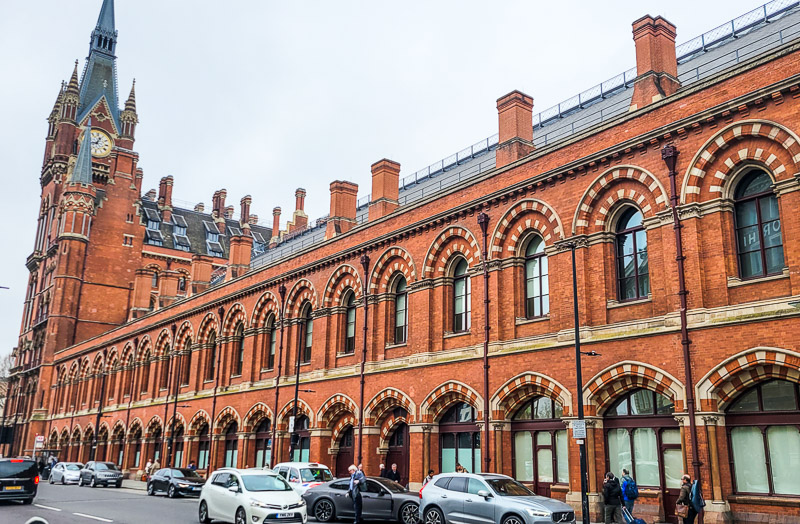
{"x":345,"y":457}
{"x":631,"y":239}
{"x":231,"y":446}
{"x":187,"y":362}
{"x":302,"y":451}
{"x":178,"y":447}
{"x":165,"y":363}
{"x":307,"y":334}
{"x":154,"y":281}
{"x":127,"y":377}
{"x":537,"y":286}
{"x":113,"y":371}
{"x":400,"y":311}
{"x":238,"y":344}
{"x":203,"y":447}
{"x":211,"y":364}
{"x":643,"y":437}
{"x":273,"y":338}
{"x":758,"y":226}
{"x":146,"y":373}
{"x":460,"y":439}
{"x":350,"y":322}
{"x":153,"y":303}
{"x":540,"y":445}
{"x":181,"y":285}
{"x":263,"y":449}
{"x":136,"y":438}
{"x":461,"y":297}
{"x":764,"y":439}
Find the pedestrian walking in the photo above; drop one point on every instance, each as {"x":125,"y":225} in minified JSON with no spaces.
{"x":630,"y":491}
{"x":357,"y":480}
{"x":192,"y":465}
{"x":156,"y":466}
{"x":612,"y":497}
{"x":382,"y":472}
{"x":148,"y":467}
{"x":393,"y":474}
{"x":685,"y":507}
{"x":428,"y":478}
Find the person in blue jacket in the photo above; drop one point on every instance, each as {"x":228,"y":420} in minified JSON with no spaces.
{"x":626,"y":479}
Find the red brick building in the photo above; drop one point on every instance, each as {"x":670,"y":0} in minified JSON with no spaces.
{"x":145,"y":334}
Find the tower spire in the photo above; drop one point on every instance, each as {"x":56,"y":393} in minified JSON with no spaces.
{"x":100,"y":76}
{"x":82,"y":172}
{"x":128,"y":116}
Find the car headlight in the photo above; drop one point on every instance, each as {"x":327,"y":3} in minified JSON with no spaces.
{"x":258,"y":504}
{"x":183,"y":485}
{"x":301,"y":503}
{"x":537,"y":512}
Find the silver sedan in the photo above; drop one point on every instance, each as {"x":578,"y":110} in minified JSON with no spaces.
{"x":65,"y":472}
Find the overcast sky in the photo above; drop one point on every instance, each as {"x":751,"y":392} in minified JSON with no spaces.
{"x":262,"y":97}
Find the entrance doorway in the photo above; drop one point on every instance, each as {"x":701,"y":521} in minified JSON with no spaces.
{"x":398,"y":452}
{"x":346,"y":456}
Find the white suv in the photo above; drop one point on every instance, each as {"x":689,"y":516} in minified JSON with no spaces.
{"x":246,"y":496}
{"x":303,"y":475}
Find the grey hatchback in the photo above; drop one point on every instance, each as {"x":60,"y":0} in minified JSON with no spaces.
{"x":466,"y":498}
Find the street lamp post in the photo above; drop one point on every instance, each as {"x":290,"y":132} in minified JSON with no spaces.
{"x":483,"y":222}
{"x":365,"y":265}
{"x":212,"y":460}
{"x":579,"y":380}
{"x":273,"y":455}
{"x":294,"y":438}
{"x":175,"y":391}
{"x":104,"y":374}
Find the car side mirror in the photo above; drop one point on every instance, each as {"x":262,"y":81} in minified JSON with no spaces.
{"x":485,"y":494}
{"x":233,"y":489}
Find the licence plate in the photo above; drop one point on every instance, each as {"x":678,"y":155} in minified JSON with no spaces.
{"x":12,"y":488}
{"x":285,"y":515}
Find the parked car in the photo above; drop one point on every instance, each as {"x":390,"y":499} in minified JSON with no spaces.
{"x":382,"y":499}
{"x":303,"y":475}
{"x":250,"y":495}
{"x":175,"y":482}
{"x":19,"y":479}
{"x":65,"y":472}
{"x":100,"y":474}
{"x":485,"y":498}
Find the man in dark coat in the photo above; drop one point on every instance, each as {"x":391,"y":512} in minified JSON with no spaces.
{"x":612,"y":497}
{"x":393,"y":474}
{"x":357,"y":484}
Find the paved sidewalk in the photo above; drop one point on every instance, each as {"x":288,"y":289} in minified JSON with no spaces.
{"x":134,"y":484}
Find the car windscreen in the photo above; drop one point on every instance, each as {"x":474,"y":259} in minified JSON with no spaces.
{"x":185,"y":473}
{"x":105,"y":466}
{"x":393,"y":486}
{"x":315,"y":475}
{"x":508,"y":488}
{"x":72,"y":467}
{"x":265,"y":483}
{"x":18,"y":469}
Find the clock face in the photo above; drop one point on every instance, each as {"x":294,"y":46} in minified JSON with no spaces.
{"x":101,"y":143}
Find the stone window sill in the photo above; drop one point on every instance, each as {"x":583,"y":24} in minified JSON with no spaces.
{"x":236,"y":376}
{"x":775,"y":500}
{"x":521,"y":321}
{"x":394,"y":346}
{"x":342,"y":355}
{"x":736,"y":281}
{"x":450,"y":334}
{"x":267,"y":370}
{"x":613,"y":304}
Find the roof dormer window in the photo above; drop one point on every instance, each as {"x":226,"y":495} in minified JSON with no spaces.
{"x":181,"y":240}
{"x":152,"y":235}
{"x":213,"y":246}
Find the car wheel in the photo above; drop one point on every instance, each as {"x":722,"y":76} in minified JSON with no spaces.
{"x":80,"y":480}
{"x":202,"y":514}
{"x":171,"y":492}
{"x":50,"y":479}
{"x":434,"y":516}
{"x":63,"y":480}
{"x":409,"y":514}
{"x":150,"y":490}
{"x":93,"y":483}
{"x":119,"y":484}
{"x":323,"y":510}
{"x":241,"y":516}
{"x":513,"y":519}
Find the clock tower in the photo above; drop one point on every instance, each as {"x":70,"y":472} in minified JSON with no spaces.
{"x":89,"y":237}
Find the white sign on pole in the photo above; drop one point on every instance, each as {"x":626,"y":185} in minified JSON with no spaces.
{"x":578,"y":429}
{"x":291,"y":424}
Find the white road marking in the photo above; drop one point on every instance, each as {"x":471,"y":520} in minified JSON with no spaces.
{"x":93,"y":517}
{"x":46,"y":507}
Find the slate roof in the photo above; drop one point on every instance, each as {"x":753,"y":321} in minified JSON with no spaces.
{"x":196,"y":226}
{"x":696,"y":62}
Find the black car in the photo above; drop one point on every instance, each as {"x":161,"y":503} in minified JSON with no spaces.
{"x":381,"y":500}
{"x":19,"y":479}
{"x":175,"y":482}
{"x":100,"y":474}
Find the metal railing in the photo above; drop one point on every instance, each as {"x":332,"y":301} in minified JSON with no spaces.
{"x":732,"y":29}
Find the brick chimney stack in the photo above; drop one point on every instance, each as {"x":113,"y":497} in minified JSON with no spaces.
{"x":150,"y":195}
{"x":253,"y":220}
{"x":276,"y":227}
{"x":244,"y":211}
{"x":229,"y":212}
{"x":219,"y":209}
{"x":515,"y":127}
{"x":385,"y":188}
{"x":165,"y":198}
{"x":200,"y":207}
{"x":344,"y":198}
{"x":299,"y":218}
{"x":656,"y":62}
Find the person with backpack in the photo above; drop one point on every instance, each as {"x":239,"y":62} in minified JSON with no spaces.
{"x":630,"y":491}
{"x":612,"y":498}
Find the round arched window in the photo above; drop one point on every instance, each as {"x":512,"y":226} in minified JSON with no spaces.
{"x":631,"y":253}
{"x":759,"y":244}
